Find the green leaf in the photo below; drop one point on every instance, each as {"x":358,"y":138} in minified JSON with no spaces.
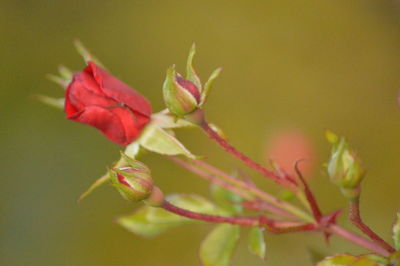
{"x":158,"y":140}
{"x":256,"y":242}
{"x":133,"y":149}
{"x":396,"y":232}
{"x":208,"y":85}
{"x":349,"y":260}
{"x":164,"y":119}
{"x":87,"y":56}
{"x":140,"y":224}
{"x":217,"y":248}
{"x":190,"y":72}
{"x":150,"y":221}
{"x":193,"y":202}
{"x":226,"y":200}
{"x":50,"y":101}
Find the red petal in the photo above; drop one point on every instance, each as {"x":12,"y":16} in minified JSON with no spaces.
{"x":119,"y":91}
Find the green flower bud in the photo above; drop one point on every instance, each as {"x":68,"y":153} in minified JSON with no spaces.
{"x":344,"y":167}
{"x":134,"y":184}
{"x":181,"y":96}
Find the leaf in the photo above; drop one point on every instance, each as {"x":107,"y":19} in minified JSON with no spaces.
{"x":87,"y":56}
{"x":139,"y":222}
{"x":190,"y":72}
{"x":349,"y":260}
{"x":50,"y":101}
{"x":256,"y":242}
{"x":208,"y":85}
{"x":226,"y":200}
{"x":133,"y":149}
{"x":396,"y":232}
{"x":157,"y":140}
{"x":150,"y":221}
{"x":164,"y":119}
{"x":217,"y":248}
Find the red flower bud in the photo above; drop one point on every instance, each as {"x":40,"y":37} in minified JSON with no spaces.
{"x":96,"y":98}
{"x":190,"y":87}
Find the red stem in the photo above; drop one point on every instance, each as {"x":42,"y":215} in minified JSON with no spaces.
{"x":243,"y":221}
{"x":263,"y":222}
{"x":355,"y":218}
{"x":249,"y":162}
{"x":274,"y":207}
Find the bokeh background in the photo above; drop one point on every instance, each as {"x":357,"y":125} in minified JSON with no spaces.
{"x":303,"y":64}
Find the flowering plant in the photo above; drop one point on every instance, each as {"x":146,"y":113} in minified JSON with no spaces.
{"x":96,"y":98}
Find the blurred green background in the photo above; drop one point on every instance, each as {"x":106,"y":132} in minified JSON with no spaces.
{"x":305,"y":64}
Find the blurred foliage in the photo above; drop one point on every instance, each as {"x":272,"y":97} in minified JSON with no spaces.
{"x":304,"y":64}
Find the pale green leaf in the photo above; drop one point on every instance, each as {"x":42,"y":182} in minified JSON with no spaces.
{"x":226,"y":200}
{"x":164,"y":119}
{"x":133,"y":149}
{"x":256,"y":242}
{"x":217,"y":248}
{"x":207,"y":87}
{"x":396,"y":232}
{"x":139,"y":223}
{"x":157,"y":140}
{"x":349,"y":260}
{"x":150,"y":221}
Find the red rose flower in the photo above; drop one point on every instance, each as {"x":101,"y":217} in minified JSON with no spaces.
{"x":96,"y":98}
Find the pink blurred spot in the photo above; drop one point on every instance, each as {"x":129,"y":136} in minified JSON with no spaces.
{"x":287,"y":147}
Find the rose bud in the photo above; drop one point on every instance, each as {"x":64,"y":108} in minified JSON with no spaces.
{"x":96,"y":98}
{"x":181,"y":96}
{"x":344,"y":167}
{"x":133,"y":184}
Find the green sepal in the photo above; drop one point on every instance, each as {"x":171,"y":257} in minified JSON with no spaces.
{"x":158,"y":140}
{"x":101,"y":181}
{"x":256,"y":242}
{"x":50,"y":101}
{"x":396,"y":232}
{"x":131,"y":162}
{"x":178,"y":100}
{"x":191,"y":74}
{"x":87,"y":56}
{"x":165,"y":119}
{"x":350,"y":260}
{"x":207,"y":87}
{"x":331,"y":137}
{"x":217,"y":248}
{"x":150,"y":221}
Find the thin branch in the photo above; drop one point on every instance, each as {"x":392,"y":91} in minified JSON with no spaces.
{"x":245,"y":159}
{"x":243,"y":221}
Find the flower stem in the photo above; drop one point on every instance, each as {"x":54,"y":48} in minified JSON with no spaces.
{"x":355,"y":218}
{"x":243,"y":221}
{"x":282,"y":205}
{"x":245,"y":159}
{"x":358,"y":240}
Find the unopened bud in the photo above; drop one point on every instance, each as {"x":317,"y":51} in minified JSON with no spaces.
{"x":344,"y":167}
{"x":181,"y":96}
{"x":134,"y":184}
